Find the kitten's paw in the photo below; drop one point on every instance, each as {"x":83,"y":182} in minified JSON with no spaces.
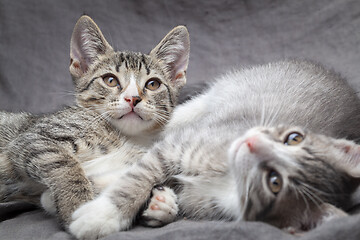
{"x":48,"y":203}
{"x":97,"y":218}
{"x":162,"y":208}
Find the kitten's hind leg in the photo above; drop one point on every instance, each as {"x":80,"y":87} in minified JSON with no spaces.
{"x":162,"y":208}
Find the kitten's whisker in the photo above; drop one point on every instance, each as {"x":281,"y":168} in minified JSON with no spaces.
{"x":262,"y":118}
{"x":303,"y":197}
{"x":246,"y":121}
{"x":158,"y":116}
{"x":101,"y":117}
{"x":316,"y":190}
{"x":164,"y":120}
{"x":98,"y":108}
{"x":64,"y":93}
{"x":157,"y":107}
{"x":167,"y":116}
{"x":296,"y":194}
{"x":313,"y":197}
{"x":273,"y":114}
{"x":247,"y":193}
{"x":159,"y":119}
{"x":163,"y":111}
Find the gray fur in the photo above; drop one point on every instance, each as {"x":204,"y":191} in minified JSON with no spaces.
{"x":76,"y":152}
{"x":197,"y":141}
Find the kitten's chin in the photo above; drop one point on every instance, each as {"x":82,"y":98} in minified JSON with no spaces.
{"x":133,"y":125}
{"x":131,"y":116}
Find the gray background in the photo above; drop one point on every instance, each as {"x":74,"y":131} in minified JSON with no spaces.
{"x":34,"y":59}
{"x":35,"y":38}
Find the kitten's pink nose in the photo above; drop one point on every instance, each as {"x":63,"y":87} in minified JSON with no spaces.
{"x":133,"y":101}
{"x":250,"y":142}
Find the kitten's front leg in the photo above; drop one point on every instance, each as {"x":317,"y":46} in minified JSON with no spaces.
{"x":116,"y":208}
{"x":47,"y":163}
{"x":162,"y":208}
{"x":68,"y":187}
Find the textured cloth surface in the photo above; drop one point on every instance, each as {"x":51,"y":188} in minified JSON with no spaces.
{"x":34,"y":60}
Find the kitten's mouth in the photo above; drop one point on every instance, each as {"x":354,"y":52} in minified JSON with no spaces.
{"x":131,"y":115}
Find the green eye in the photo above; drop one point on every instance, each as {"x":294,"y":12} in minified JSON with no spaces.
{"x":111,"y":80}
{"x":153,"y":84}
{"x":294,"y":138}
{"x":274,"y":182}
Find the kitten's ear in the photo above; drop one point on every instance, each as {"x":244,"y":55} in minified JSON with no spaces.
{"x":87,"y":42}
{"x":350,"y":156}
{"x":173,"y":51}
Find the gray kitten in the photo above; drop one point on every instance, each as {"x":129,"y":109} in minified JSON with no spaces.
{"x":123,"y":101}
{"x":235,"y":154}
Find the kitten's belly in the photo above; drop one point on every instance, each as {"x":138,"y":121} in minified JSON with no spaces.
{"x":209,"y":198}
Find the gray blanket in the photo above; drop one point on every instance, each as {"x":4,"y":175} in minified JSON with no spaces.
{"x":34,"y":59}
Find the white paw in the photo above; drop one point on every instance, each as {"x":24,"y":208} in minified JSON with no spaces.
{"x":48,"y":203}
{"x":162,"y":208}
{"x":97,"y":218}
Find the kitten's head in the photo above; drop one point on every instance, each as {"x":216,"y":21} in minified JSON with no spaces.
{"x":289,"y":177}
{"x":135,"y":92}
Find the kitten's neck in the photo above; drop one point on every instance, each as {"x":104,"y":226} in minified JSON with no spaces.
{"x":145,"y":139}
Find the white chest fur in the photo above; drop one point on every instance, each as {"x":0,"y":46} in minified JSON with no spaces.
{"x":105,"y":169}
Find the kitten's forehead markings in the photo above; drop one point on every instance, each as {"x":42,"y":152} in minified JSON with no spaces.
{"x":122,"y":59}
{"x":117,"y":68}
{"x":146,"y":65}
{"x":126,"y":64}
{"x":104,"y":63}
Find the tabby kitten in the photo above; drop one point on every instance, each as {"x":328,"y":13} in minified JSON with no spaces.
{"x":233,"y":158}
{"x":123,"y":101}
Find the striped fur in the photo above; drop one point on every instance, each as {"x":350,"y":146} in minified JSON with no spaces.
{"x":75,"y":153}
{"x":201,"y":143}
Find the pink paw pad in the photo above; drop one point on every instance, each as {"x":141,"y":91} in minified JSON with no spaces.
{"x":162,"y":208}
